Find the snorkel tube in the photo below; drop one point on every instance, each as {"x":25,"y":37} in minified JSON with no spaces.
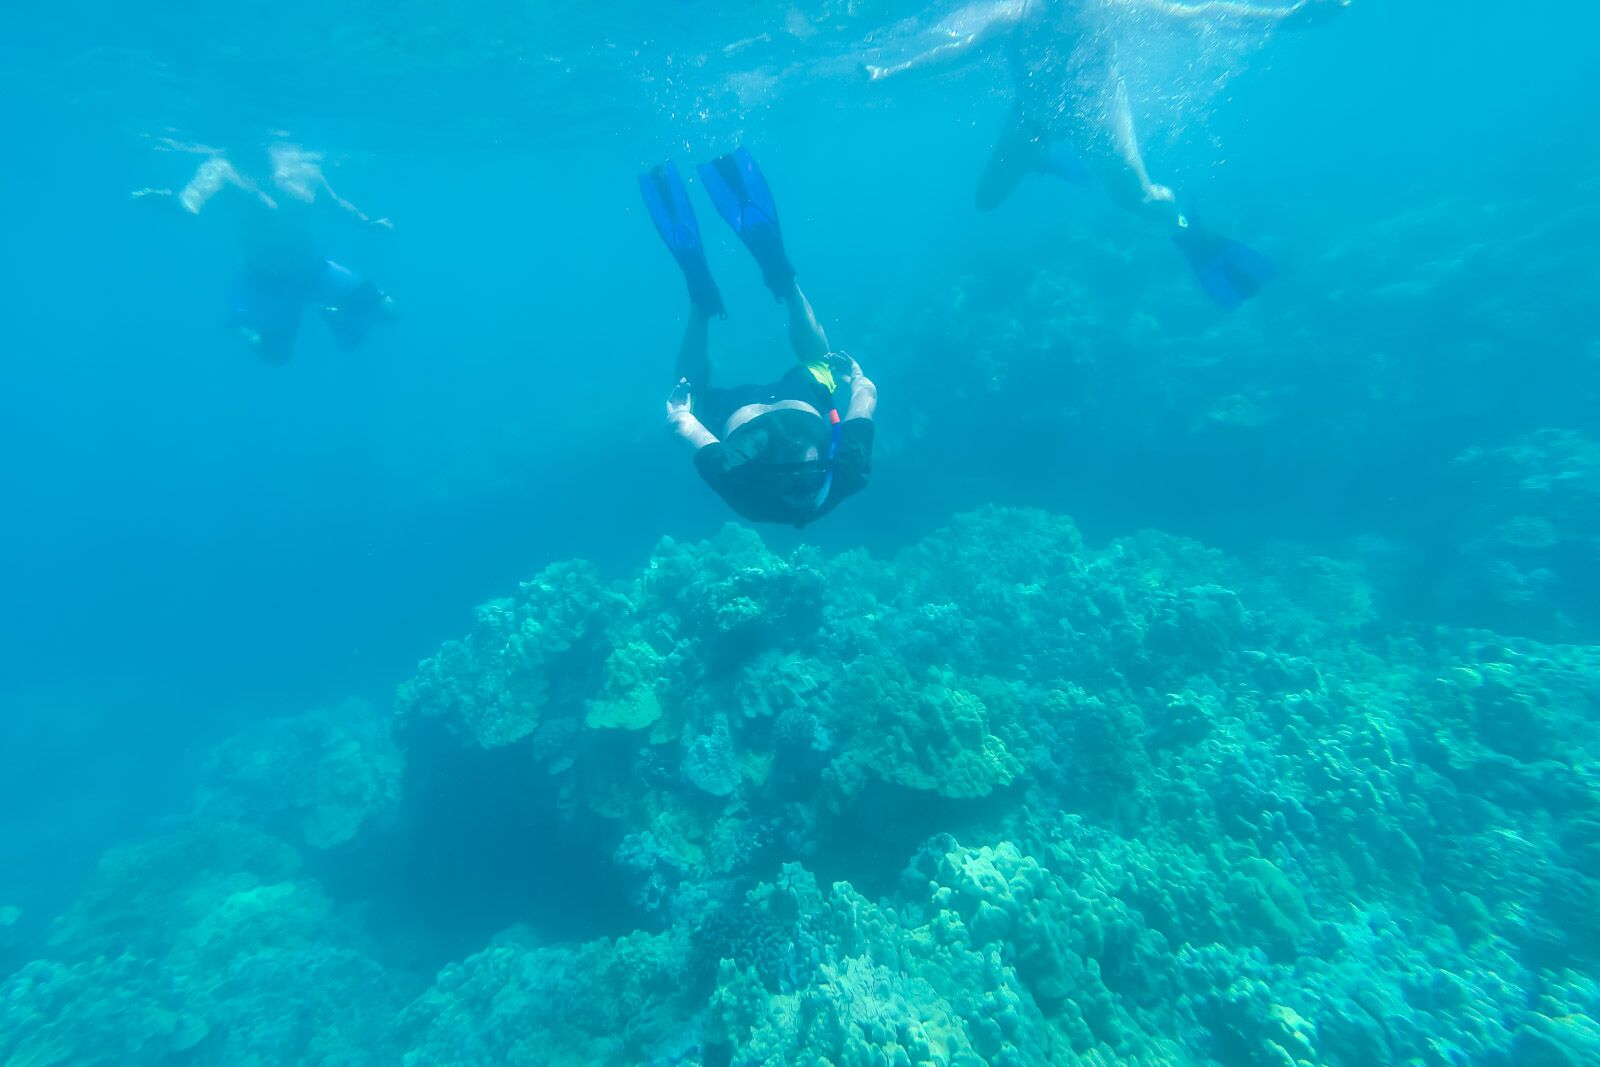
{"x":835,"y":430}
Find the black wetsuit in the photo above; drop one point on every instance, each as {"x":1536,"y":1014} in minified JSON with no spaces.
{"x":742,"y":467}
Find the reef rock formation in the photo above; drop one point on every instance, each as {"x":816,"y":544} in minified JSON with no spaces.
{"x":1003,"y":799}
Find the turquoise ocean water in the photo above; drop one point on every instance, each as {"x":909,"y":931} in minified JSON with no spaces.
{"x":1186,"y":687}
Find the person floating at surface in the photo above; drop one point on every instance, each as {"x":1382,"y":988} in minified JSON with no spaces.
{"x":284,"y":269}
{"x":782,"y":452}
{"x":1071,"y":118}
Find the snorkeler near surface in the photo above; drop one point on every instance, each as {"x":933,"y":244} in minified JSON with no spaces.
{"x":284,"y":270}
{"x":1071,"y":118}
{"x":782,"y":452}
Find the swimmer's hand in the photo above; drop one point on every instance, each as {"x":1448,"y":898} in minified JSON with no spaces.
{"x":682,"y":420}
{"x":678,"y":404}
{"x":159,"y":201}
{"x":844,"y":367}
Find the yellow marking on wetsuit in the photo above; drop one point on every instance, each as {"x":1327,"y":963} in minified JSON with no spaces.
{"x":819,"y":369}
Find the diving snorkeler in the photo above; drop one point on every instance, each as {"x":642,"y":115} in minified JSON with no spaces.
{"x":1071,"y":117}
{"x":284,"y":270}
{"x":776,"y":453}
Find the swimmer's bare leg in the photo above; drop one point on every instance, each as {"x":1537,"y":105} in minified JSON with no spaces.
{"x":1130,"y":184}
{"x":806,"y":336}
{"x":1302,"y":13}
{"x":1229,"y":272}
{"x":948,"y":52}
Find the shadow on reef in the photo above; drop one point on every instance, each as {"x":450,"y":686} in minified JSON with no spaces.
{"x":869,"y":846}
{"x":470,"y":851}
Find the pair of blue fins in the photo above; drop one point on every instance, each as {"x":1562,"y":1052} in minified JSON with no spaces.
{"x":743,"y":199}
{"x":1229,"y":272}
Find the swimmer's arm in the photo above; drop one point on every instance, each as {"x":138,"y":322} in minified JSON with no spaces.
{"x":863,"y":399}
{"x":863,"y":393}
{"x":967,"y":30}
{"x":1303,"y":12}
{"x":692,"y":433}
{"x":350,"y":208}
{"x":680,"y":416}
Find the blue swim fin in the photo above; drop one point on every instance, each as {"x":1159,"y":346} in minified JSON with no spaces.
{"x":352,"y":318}
{"x":350,"y":304}
{"x":744,"y":201}
{"x":668,"y":203}
{"x":1228,"y":271}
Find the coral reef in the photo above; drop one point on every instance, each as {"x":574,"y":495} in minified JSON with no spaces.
{"x":209,"y":943}
{"x":518,"y":1002}
{"x":493,"y":684}
{"x":317,"y":777}
{"x":1532,"y":541}
{"x":1002,"y":799}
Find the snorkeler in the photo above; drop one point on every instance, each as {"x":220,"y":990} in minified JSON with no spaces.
{"x":776,"y":453}
{"x":284,"y":270}
{"x":1071,"y":118}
